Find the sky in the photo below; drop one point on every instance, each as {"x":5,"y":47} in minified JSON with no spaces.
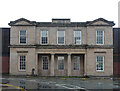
{"x":45,"y":10}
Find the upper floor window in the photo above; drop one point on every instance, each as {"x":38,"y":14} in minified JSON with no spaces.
{"x":99,"y":37}
{"x":76,"y":63}
{"x":100,"y":63}
{"x":77,"y":37}
{"x":61,"y":37}
{"x":60,"y":62}
{"x":22,"y":63}
{"x":22,"y":37}
{"x":44,"y":37}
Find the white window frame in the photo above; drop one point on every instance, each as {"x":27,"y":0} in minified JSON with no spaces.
{"x":64,"y":37}
{"x":41,"y":37}
{"x":103,"y":37}
{"x":42,"y":63}
{"x":19,"y":37}
{"x":80,"y":37}
{"x":96,"y":64}
{"x":19,"y":62}
{"x":74,"y":65}
{"x":58,"y":64}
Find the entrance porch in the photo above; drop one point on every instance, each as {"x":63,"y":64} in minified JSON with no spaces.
{"x":61,"y":64}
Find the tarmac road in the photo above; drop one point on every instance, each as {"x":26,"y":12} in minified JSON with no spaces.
{"x":54,"y":83}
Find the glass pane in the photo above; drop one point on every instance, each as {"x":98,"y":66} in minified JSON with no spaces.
{"x":60,"y":40}
{"x":22,"y":36}
{"x":22,"y":63}
{"x":76,"y":63}
{"x":99,"y":63}
{"x":60,"y":37}
{"x":44,"y":37}
{"x":45,"y":63}
{"x":77,"y":37}
{"x":61,"y":63}
{"x":60,"y":33}
{"x":99,"y":37}
{"x":44,"y":33}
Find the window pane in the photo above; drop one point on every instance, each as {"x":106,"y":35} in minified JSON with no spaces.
{"x":100,"y":37}
{"x":44,"y":37}
{"x":22,"y":62}
{"x":60,"y":37}
{"x":60,"y":63}
{"x":60,"y":33}
{"x":22,"y":36}
{"x":77,"y":37}
{"x":100,"y":63}
{"x":76,"y":63}
{"x":60,"y":40}
{"x":45,"y":63}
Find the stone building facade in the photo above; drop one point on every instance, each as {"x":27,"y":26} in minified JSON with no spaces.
{"x":61,"y":48}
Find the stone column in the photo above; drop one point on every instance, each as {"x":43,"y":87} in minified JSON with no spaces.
{"x":69,"y":64}
{"x":52,"y":64}
{"x":36,"y":63}
{"x":85,"y":65}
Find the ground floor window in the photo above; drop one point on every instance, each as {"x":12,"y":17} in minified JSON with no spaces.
{"x":22,"y":63}
{"x":60,"y":62}
{"x":76,"y":60}
{"x":45,"y":62}
{"x":100,"y":63}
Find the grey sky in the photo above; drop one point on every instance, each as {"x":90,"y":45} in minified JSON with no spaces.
{"x":45,"y":10}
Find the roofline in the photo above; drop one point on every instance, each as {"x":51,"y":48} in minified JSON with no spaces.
{"x":60,"y":18}
{"x":87,"y":23}
{"x":116,"y":28}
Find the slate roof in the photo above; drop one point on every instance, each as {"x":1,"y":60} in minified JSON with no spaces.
{"x":22,"y":19}
{"x":111,"y":23}
{"x":50,"y":24}
{"x":71,"y":24}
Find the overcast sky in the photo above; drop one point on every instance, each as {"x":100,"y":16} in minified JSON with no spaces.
{"x":45,"y":10}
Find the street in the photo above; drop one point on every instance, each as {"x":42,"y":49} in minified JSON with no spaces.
{"x":58,"y":83}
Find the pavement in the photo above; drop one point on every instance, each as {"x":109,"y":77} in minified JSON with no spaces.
{"x":26,"y":83}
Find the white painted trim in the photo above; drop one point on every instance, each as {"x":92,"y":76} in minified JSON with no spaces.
{"x":103,"y":37}
{"x":41,"y":37}
{"x":26,"y":38}
{"x":42,"y":63}
{"x":19,"y":62}
{"x":103,"y":64}
{"x":64,"y":37}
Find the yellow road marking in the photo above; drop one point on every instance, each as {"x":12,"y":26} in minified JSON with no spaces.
{"x":63,"y":78}
{"x":83,"y":78}
{"x":15,"y":87}
{"x":43,"y":77}
{"x":102,"y":78}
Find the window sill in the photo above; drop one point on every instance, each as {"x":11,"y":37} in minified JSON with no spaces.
{"x":99,"y":70}
{"x":22,"y":70}
{"x":100,"y":44}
